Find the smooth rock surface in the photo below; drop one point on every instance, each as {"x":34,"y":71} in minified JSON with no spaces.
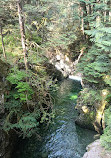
{"x":95,"y":150}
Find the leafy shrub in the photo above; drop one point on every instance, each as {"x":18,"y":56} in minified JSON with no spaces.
{"x":18,"y":78}
{"x":28,"y":102}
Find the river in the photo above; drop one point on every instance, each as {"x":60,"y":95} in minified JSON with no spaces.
{"x":63,"y":139}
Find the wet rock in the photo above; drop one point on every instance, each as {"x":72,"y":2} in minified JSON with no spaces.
{"x":95,"y":150}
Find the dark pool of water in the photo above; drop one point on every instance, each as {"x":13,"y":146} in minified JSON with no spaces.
{"x":63,"y":139}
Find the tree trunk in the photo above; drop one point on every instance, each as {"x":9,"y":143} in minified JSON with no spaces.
{"x":22,"y":31}
{"x":108,"y":11}
{"x":85,"y":23}
{"x":98,"y":18}
{"x":90,"y":9}
{"x":81,"y":19}
{"x":3,"y":47}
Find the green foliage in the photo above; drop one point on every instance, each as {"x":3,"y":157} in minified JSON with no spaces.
{"x":106,"y":137}
{"x":53,"y":25}
{"x":61,"y":31}
{"x":20,"y":118}
{"x":11,"y":39}
{"x":5,"y":13}
{"x":90,"y":96}
{"x":24,"y":90}
{"x":16,"y":75}
{"x":24,"y":122}
{"x":24,"y":115}
{"x":13,"y":105}
{"x":18,"y":78}
{"x":46,"y":116}
{"x":73,"y":97}
{"x":33,"y":37}
{"x":28,"y":124}
{"x":108,"y":98}
{"x":29,"y":101}
{"x":96,"y":63}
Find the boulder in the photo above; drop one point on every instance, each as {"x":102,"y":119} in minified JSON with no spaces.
{"x":95,"y":150}
{"x":90,"y":105}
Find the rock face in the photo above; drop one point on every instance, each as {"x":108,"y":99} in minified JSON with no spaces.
{"x":61,"y":62}
{"x":91,"y":105}
{"x":95,"y":150}
{"x":53,"y":72}
{"x":3,"y":72}
{"x":6,"y":140}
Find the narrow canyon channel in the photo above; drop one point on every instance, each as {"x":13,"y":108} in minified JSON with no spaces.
{"x":63,"y":139}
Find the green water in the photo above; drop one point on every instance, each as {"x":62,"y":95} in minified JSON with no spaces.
{"x":63,"y":139}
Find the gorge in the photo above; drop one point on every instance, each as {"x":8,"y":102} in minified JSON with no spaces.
{"x":55,"y":78}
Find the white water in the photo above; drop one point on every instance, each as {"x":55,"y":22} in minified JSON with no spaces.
{"x":77,"y":78}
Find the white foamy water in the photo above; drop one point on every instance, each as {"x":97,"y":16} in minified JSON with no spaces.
{"x":78,"y":78}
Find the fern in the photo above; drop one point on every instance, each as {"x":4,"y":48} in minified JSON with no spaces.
{"x":17,"y":77}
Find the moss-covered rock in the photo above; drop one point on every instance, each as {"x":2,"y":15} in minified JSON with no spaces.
{"x":90,"y":105}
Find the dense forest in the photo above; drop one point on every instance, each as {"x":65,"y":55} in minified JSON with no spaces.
{"x":35,"y":33}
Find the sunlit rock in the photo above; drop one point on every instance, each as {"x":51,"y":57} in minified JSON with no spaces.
{"x":95,"y":150}
{"x":58,"y":57}
{"x":62,"y":62}
{"x":85,"y":109}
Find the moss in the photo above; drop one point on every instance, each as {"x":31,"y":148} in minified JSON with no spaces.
{"x":90,"y":117}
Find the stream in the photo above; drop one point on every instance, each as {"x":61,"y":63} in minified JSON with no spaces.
{"x":63,"y":139}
